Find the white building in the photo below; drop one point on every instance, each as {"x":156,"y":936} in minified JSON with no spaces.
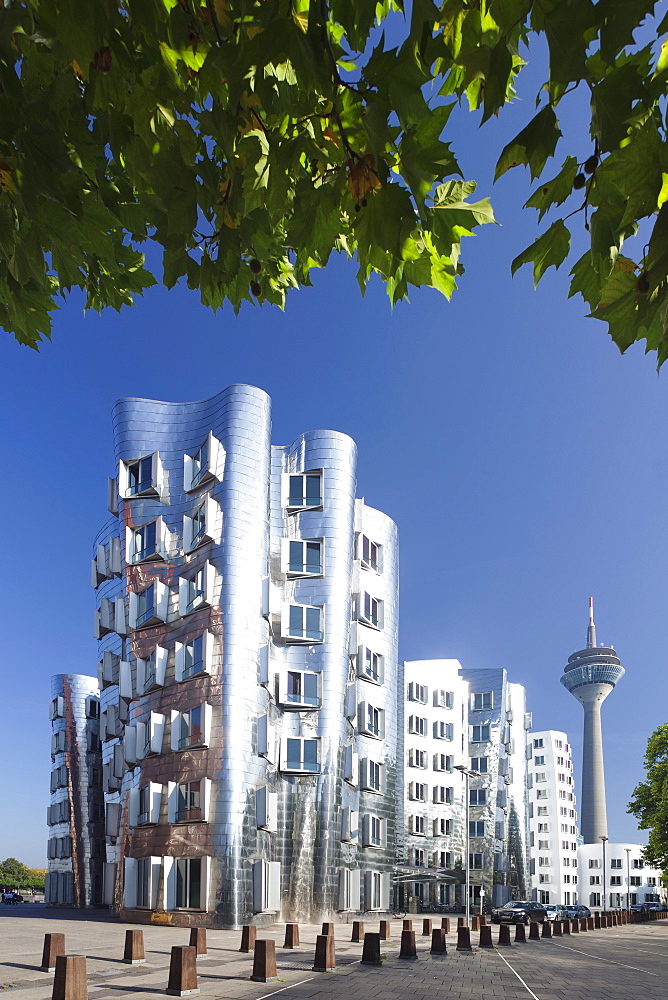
{"x":616,"y":877}
{"x":553,"y":819}
{"x":432,"y":722}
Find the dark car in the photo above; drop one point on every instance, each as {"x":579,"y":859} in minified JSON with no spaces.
{"x":577,"y":911}
{"x":519,"y":912}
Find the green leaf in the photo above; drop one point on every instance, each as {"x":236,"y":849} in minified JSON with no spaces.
{"x":556,"y":191}
{"x":549,"y":250}
{"x":612,"y":102}
{"x":533,"y":146}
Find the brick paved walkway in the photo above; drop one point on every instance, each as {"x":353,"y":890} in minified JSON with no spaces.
{"x":629,"y":963}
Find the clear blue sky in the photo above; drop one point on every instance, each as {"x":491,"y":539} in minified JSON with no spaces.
{"x":522,"y":457}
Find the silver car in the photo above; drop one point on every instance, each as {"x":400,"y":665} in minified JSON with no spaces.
{"x":556,"y":912}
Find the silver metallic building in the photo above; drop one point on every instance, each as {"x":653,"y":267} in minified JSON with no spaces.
{"x":590,"y":675}
{"x":247,"y":622}
{"x":75,"y":815}
{"x":498,"y":801}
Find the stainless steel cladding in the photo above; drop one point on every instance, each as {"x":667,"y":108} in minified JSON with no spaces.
{"x":75,"y":814}
{"x":498,"y":824}
{"x":237,"y":584}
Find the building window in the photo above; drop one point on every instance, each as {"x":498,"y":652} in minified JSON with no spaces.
{"x":417,"y":758}
{"x":200,"y":465}
{"x":139,"y":476}
{"x":305,"y":491}
{"x":146,"y":605}
{"x":371,"y":720}
{"x":615,"y":862}
{"x":478,"y":796}
{"x":144,"y":805}
{"x":144,"y":542}
{"x":443,"y":731}
{"x":539,"y":761}
{"x":442,"y":827}
{"x":443,"y":794}
{"x":305,"y":623}
{"x":637,"y":863}
{"x":370,"y":610}
{"x":544,"y":897}
{"x":543,"y":862}
{"x":538,"y":744}
{"x":444,"y":699}
{"x":372,"y":831}
{"x":479,"y":764}
{"x":374,"y":775}
{"x":370,"y":665}
{"x":480,"y":734}
{"x":193,"y":657}
{"x":189,"y":883}
{"x":419,"y":857}
{"x":483,"y":701}
{"x":302,"y":756}
{"x":302,"y":689}
{"x":475,"y":862}
{"x":615,"y":880}
{"x":541,"y":776}
{"x":370,"y":554}
{"x":635,"y":880}
{"x":541,"y":793}
{"x":417,"y":791}
{"x":417,"y":725}
{"x":194,"y":592}
{"x":477,"y":828}
{"x":594,"y":880}
{"x":443,"y":762}
{"x":543,"y":827}
{"x":189,"y":802}
{"x":594,"y":899}
{"x":418,"y":692}
{"x":542,"y":811}
{"x":191,"y":728}
{"x":92,"y":708}
{"x":543,"y":845}
{"x":594,"y":863}
{"x":544,"y":879}
{"x":418,"y":825}
{"x":304,"y":558}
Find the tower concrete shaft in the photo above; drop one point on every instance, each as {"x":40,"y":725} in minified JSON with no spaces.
{"x":590,"y":675}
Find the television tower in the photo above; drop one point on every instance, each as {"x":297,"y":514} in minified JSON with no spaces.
{"x":590,"y":675}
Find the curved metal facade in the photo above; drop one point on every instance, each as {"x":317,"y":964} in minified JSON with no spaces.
{"x":265,"y":836}
{"x":75,"y":814}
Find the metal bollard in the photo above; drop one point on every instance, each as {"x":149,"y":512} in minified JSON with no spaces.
{"x":134,"y":948}
{"x":358,"y":931}
{"x":534,"y":931}
{"x":264,"y":961}
{"x":463,"y":939}
{"x":371,"y":950}
{"x":426,"y":927}
{"x":485,"y":937}
{"x":291,"y":936}
{"x":461,"y":922}
{"x":198,"y":941}
{"x":408,"y":949}
{"x":69,"y":982}
{"x":325,"y":957}
{"x":438,"y":945}
{"x":407,"y":925}
{"x":248,"y":934}
{"x":327,"y":928}
{"x":385,"y":930}
{"x":475,"y":922}
{"x":547,"y":929}
{"x":54,"y":945}
{"x":520,"y":932}
{"x":182,"y":972}
{"x":556,"y":929}
{"x":504,"y":933}
{"x":445,"y":924}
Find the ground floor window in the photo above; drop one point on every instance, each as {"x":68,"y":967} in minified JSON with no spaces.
{"x":543,"y":896}
{"x":189,"y":883}
{"x":594,"y":899}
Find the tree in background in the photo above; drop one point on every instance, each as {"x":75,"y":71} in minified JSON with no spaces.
{"x":252,"y":139}
{"x":650,"y":800}
{"x":15,"y":875}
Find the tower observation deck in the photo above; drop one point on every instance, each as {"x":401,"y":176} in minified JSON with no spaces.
{"x":590,"y":675}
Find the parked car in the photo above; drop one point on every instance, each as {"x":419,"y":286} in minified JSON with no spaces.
{"x":577,"y":911}
{"x":555,"y":911}
{"x":519,"y":912}
{"x":654,"y":907}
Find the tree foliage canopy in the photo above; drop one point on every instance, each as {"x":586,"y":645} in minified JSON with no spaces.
{"x":650,"y":800}
{"x":15,"y":875}
{"x":252,"y":139}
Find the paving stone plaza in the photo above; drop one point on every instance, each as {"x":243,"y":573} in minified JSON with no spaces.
{"x":625,"y":962}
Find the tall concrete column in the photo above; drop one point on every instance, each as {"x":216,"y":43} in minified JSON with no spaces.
{"x":590,"y":675}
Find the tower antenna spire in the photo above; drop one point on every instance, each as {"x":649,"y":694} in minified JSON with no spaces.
{"x":591,"y":628}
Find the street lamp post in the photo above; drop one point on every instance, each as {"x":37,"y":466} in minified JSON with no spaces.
{"x":628,"y":879}
{"x":467,"y":773}
{"x":605,"y":900}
